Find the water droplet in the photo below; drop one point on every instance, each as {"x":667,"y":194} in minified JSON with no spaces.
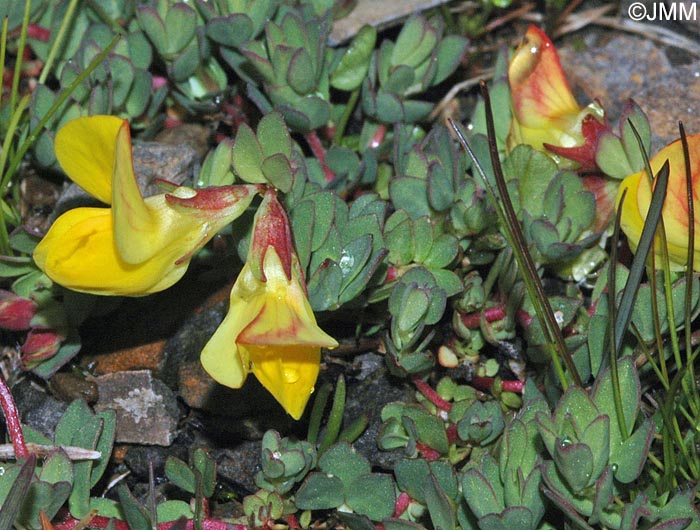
{"x":559,"y":317}
{"x":534,"y":49}
{"x":566,"y":441}
{"x":346,"y":262}
{"x":2,"y":471}
{"x":614,"y":468}
{"x":290,"y":375}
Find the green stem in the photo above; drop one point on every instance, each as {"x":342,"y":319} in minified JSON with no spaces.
{"x":67,"y":18}
{"x":63,"y":96}
{"x":554,"y":338}
{"x":342,"y":124}
{"x":3,"y":52}
{"x":20,"y":54}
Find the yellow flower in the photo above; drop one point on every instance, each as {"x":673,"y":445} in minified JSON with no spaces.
{"x":270,"y":328}
{"x":545,"y":112}
{"x":675,"y":210}
{"x":138,"y":246}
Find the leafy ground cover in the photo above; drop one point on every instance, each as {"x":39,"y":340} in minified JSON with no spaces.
{"x":457,"y":293}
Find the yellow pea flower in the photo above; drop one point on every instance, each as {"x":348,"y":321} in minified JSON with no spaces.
{"x":270,"y":328}
{"x":138,"y":246}
{"x":675,"y":210}
{"x":545,"y":112}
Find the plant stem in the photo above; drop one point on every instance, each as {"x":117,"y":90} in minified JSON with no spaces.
{"x":57,"y":43}
{"x":103,"y":522}
{"x":62,"y":97}
{"x":342,"y":124}
{"x":431,"y":395}
{"x":3,"y":52}
{"x":14,"y":427}
{"x":320,"y":153}
{"x":486,"y":383}
{"x":20,"y":55}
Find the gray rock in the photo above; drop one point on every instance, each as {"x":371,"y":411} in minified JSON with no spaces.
{"x":367,"y":394}
{"x":239,"y":465}
{"x":146,"y":409}
{"x":625,"y":66}
{"x":152,"y":160}
{"x":36,"y":408}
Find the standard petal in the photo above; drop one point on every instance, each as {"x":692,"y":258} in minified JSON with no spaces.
{"x":540,"y":91}
{"x":136,"y":229}
{"x":631,"y":219}
{"x":85,"y":148}
{"x":79,"y":253}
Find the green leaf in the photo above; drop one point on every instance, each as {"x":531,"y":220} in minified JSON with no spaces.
{"x":342,"y":461}
{"x":442,"y":252}
{"x":630,"y":394}
{"x":230,"y":30}
{"x":300,"y":72}
{"x":104,"y":445}
{"x":180,"y":474}
{"x":278,"y":172}
{"x":628,"y":458}
{"x":440,"y":189}
{"x":354,"y":64}
{"x":483,"y":495}
{"x":372,"y":495}
{"x":324,"y":286}
{"x":512,"y":518}
{"x":206,"y":465}
{"x":136,"y":514}
{"x":247,"y":156}
{"x":173,"y":510}
{"x":14,"y":498}
{"x":450,"y":52}
{"x":320,"y":492}
{"x":611,"y":157}
{"x":57,"y":468}
{"x":575,"y":462}
{"x":410,"y":194}
{"x":180,"y":25}
{"x":273,"y":135}
{"x":153,"y":26}
{"x":441,"y":509}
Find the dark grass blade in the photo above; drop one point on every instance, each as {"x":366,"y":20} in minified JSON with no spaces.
{"x":544,"y":311}
{"x":691,"y":240}
{"x":18,"y":491}
{"x":629,"y":294}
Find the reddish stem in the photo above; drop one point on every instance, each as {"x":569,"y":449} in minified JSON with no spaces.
{"x":432,"y":396}
{"x":38,"y":33}
{"x":427,"y":452}
{"x":452,"y":433}
{"x":391,"y":274}
{"x":490,"y":314}
{"x":401,"y":505}
{"x":14,"y":427}
{"x":486,"y":383}
{"x":320,"y":153}
{"x":102,"y":522}
{"x":524,"y":318}
{"x":378,"y":137}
